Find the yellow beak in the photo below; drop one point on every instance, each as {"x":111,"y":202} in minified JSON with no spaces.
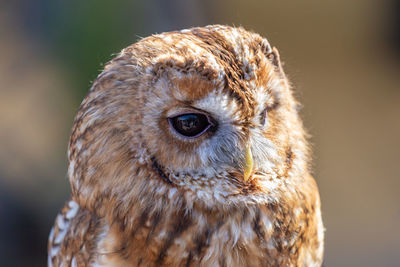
{"x":248,"y":168}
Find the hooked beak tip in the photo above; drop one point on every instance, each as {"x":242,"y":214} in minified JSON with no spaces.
{"x":248,"y":168}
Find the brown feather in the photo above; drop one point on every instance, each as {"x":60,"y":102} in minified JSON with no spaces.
{"x":142,"y":195}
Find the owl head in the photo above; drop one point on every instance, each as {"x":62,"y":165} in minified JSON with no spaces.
{"x":205,"y":112}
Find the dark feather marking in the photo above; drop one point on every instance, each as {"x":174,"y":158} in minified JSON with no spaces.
{"x":124,"y":251}
{"x":155,"y":220}
{"x":182,"y":222}
{"x":289,"y":160}
{"x":202,"y":240}
{"x":289,"y":156}
{"x":273,"y":106}
{"x":222,"y":260}
{"x":257,"y":228}
{"x":260,"y":234}
{"x":158,"y":168}
{"x":189,"y":259}
{"x":263,"y":114}
{"x":142,"y":220}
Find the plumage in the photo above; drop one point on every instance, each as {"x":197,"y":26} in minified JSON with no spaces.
{"x":188,"y":151}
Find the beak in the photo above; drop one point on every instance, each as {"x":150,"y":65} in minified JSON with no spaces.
{"x":248,"y":168}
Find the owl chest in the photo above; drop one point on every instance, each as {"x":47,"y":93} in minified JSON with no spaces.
{"x":236,"y":241}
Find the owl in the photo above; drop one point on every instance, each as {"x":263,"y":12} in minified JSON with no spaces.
{"x":188,"y":150}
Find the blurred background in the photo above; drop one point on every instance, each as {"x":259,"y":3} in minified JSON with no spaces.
{"x":343,"y":58}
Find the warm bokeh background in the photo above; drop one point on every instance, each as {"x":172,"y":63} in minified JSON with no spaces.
{"x":343,"y":58}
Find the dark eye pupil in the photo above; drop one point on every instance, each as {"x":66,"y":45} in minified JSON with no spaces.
{"x":190,"y":124}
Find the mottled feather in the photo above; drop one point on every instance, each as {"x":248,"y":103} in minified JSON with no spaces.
{"x":144,"y":195}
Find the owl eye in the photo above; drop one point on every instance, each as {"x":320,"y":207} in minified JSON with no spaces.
{"x":190,"y":124}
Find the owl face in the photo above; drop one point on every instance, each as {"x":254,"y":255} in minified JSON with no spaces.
{"x":204,"y":109}
{"x":194,"y":125}
{"x":223,"y":95}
